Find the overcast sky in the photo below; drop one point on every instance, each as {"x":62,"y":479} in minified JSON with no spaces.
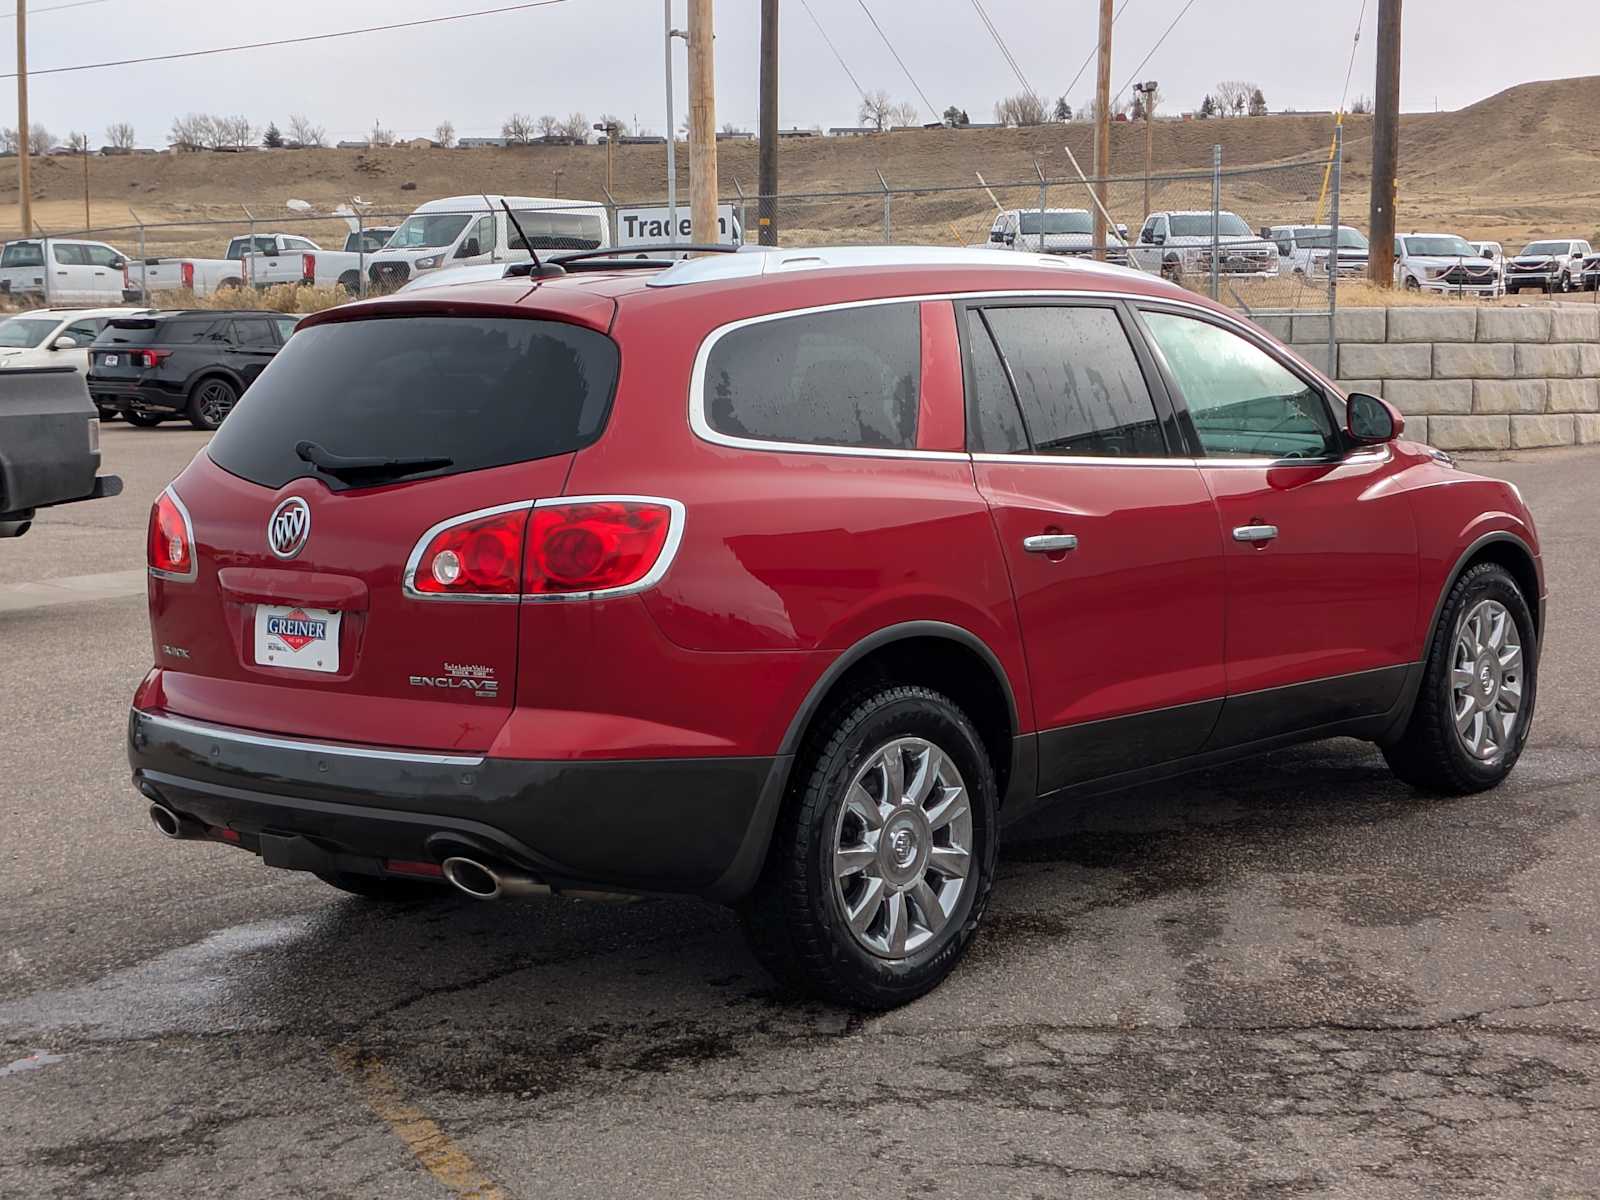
{"x":606,"y":55}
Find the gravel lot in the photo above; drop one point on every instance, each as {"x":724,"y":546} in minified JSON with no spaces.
{"x":1290,"y":977}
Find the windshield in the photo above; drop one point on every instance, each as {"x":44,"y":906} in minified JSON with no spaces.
{"x":1058,"y":222}
{"x":23,"y":333}
{"x":1547,"y":248}
{"x":1199,"y":225}
{"x":1317,"y":239}
{"x":429,"y":229}
{"x":1441,"y":247}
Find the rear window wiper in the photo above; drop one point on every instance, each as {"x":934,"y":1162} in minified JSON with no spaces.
{"x":341,"y":465}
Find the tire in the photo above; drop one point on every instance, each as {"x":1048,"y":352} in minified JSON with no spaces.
{"x":350,"y":281}
{"x":1433,"y":754}
{"x":107,"y":414}
{"x":1412,"y":285}
{"x":143,"y":420}
{"x":210,"y":402}
{"x":385,"y":888}
{"x":1564,"y":284}
{"x":231,"y":283}
{"x":797,"y":919}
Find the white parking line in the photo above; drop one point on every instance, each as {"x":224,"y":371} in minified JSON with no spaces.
{"x":72,"y":589}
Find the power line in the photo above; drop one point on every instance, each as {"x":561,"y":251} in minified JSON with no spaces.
{"x":1356,"y":46}
{"x":1153,"y":49}
{"x":293,"y":41}
{"x":933,"y":111}
{"x":859,"y":90}
{"x":1005,"y":51}
{"x":33,"y":12}
{"x":1095,"y":50}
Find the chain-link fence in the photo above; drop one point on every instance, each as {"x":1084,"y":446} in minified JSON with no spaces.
{"x":1260,"y":238}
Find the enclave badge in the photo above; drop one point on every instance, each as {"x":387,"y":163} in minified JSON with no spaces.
{"x":289,"y":527}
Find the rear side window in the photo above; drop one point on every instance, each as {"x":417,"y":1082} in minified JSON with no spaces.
{"x":255,"y":333}
{"x":845,"y":378}
{"x":479,"y":392}
{"x":557,"y":230}
{"x":1077,"y":381}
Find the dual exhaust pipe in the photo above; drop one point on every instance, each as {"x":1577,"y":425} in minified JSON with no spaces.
{"x":170,"y":824}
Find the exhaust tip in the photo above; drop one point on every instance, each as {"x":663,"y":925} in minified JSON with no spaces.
{"x":472,"y":877}
{"x":167,"y":822}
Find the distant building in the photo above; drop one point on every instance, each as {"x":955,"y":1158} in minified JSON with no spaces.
{"x":799,"y":133}
{"x":353,"y":146}
{"x":482,"y":143}
{"x":641,"y":139}
{"x":737,"y":135}
{"x":420,"y":143}
{"x":850,"y":130}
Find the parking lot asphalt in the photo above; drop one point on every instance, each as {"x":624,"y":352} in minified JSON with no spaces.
{"x":1289,"y":977}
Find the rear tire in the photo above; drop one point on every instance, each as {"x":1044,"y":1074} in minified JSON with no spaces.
{"x":143,"y":420}
{"x":1475,"y":706}
{"x":211,"y":402}
{"x":878,"y":875}
{"x":384,"y":888}
{"x":350,"y":281}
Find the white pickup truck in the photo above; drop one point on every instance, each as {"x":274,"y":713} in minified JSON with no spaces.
{"x":1178,"y":245}
{"x":273,"y":258}
{"x":77,"y":272}
{"x":1067,"y":231}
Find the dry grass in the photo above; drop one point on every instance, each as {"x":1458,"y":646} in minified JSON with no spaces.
{"x":284,"y":298}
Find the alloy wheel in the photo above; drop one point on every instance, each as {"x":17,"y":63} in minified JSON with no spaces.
{"x":1486,"y":673}
{"x":902,"y":847}
{"x":216,"y":401}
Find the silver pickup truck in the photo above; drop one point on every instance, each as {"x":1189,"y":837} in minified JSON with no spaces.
{"x":49,"y":445}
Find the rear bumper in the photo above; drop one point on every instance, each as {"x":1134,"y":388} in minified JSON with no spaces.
{"x":693,"y":826}
{"x":111,"y":396}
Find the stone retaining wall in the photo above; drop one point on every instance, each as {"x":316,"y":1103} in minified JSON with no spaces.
{"x":1467,"y":378}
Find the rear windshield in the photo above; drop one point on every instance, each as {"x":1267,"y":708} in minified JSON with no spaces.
{"x":23,"y":254}
{"x":481,"y":393}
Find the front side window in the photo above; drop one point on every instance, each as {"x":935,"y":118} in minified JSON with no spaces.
{"x":102,"y":256}
{"x":1077,"y":381}
{"x":1243,"y":402}
{"x":69,"y":254}
{"x":483,"y":234}
{"x":84,"y":332}
{"x":851,"y":377}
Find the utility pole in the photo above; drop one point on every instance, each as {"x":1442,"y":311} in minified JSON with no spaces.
{"x":702,"y":125}
{"x":24,"y":168}
{"x":672,"y":129}
{"x":1385,"y":145}
{"x":87,"y":223}
{"x":611,"y":129}
{"x":1148,"y":91}
{"x":1102,"y":132}
{"x":767,"y":183}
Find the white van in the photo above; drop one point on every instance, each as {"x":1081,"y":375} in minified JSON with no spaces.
{"x":79,"y":272}
{"x":467,"y":230}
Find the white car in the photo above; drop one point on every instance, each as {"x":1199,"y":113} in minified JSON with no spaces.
{"x":467,"y":230}
{"x":79,"y":272}
{"x":1445,"y":263}
{"x":1178,"y":244}
{"x":1549,"y":266}
{"x":1303,"y":250}
{"x":55,"y":337}
{"x":1068,"y":231}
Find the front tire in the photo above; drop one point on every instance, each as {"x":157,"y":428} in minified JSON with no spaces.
{"x":211,"y":402}
{"x":1475,"y":705}
{"x":882,"y":862}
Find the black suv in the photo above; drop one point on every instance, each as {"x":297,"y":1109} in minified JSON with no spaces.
{"x":194,"y":363}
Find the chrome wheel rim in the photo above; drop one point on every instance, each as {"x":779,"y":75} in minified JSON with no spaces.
{"x":1486,"y":677}
{"x":902,"y":847}
{"x":216,"y":402}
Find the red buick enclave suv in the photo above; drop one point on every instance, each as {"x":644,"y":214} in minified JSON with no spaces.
{"x":787,"y":579}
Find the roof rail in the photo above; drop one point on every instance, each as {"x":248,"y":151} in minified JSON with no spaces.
{"x":606,"y":258}
{"x":750,"y":266}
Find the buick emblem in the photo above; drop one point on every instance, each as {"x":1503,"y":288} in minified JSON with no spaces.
{"x":289,"y":527}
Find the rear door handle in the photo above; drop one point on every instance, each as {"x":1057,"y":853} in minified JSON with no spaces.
{"x":1254,"y":533}
{"x":1050,"y":543}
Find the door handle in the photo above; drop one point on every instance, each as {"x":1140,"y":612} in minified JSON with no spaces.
{"x":1050,"y":543}
{"x":1254,"y":533}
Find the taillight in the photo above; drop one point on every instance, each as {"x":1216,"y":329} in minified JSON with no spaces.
{"x":308,"y":268}
{"x":127,"y":278}
{"x":149,"y":358}
{"x":477,"y":555}
{"x":186,"y":274}
{"x":599,"y":544}
{"x":170,"y":542}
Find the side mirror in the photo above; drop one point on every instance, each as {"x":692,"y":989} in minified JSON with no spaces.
{"x":64,"y":342}
{"x":469,"y":249}
{"x":997,"y":236}
{"x":118,"y":263}
{"x":1158,"y":239}
{"x":1011,"y":239}
{"x":1370,"y":421}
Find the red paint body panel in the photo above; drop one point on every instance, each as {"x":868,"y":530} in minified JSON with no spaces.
{"x":1132,"y":619}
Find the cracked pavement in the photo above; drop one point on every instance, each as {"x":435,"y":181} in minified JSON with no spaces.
{"x":1289,"y":977}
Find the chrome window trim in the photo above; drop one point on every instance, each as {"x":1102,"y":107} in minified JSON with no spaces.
{"x":193,"y":572}
{"x":333,"y":749}
{"x":701,"y":426}
{"x":669,"y":551}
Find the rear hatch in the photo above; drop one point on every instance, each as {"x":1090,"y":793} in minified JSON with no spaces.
{"x":315,"y":499}
{"x":120,"y":353}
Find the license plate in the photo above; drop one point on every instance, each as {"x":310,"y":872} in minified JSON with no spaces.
{"x":306,"y":639}
{"x":111,"y":360}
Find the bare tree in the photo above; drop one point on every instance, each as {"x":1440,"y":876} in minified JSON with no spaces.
{"x":193,"y":132}
{"x":380,"y":136}
{"x":40,"y":139}
{"x":905,"y":113}
{"x":303,"y":131}
{"x":120,"y":135}
{"x":875,"y":110}
{"x":445,"y":134}
{"x":517,"y":129}
{"x":234,"y":132}
{"x":8,"y":140}
{"x":612,"y":120}
{"x":548,"y":125}
{"x":576,"y":127}
{"x":78,"y":142}
{"x":1361,"y":106}
{"x":1233,"y":96}
{"x":1024,"y":108}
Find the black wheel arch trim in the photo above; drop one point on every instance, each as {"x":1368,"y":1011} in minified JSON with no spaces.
{"x":1535,"y":603}
{"x":210,"y":372}
{"x":876,"y":641}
